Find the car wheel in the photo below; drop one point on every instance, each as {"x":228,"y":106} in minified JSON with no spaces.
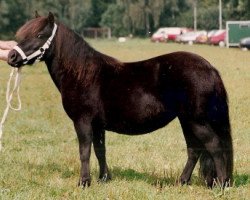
{"x":244,"y":49}
{"x":222,"y":44}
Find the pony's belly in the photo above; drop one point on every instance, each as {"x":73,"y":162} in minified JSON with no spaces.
{"x":139,"y":113}
{"x":134,"y":127}
{"x":139,"y":118}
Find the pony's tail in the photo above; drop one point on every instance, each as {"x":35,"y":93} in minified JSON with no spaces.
{"x":218,"y":116}
{"x":207,"y":168}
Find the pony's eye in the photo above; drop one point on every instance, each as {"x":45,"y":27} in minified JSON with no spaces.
{"x":39,"y":36}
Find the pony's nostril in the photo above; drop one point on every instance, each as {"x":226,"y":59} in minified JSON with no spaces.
{"x":13,"y":56}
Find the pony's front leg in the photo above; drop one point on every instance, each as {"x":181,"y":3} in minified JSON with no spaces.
{"x":100,"y":151}
{"x":84,"y":132}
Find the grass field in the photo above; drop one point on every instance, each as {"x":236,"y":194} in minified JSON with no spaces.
{"x":40,"y":158}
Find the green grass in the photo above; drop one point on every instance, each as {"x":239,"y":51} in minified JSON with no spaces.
{"x":40,"y":158}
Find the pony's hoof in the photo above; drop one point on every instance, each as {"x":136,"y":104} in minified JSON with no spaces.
{"x":104,"y":178}
{"x":84,"y":182}
{"x":217,"y":183}
{"x":183,"y":181}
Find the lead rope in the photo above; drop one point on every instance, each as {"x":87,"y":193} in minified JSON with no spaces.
{"x":16,"y":74}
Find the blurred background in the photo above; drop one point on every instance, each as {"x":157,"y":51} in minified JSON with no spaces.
{"x":125,"y":17}
{"x":40,"y":158}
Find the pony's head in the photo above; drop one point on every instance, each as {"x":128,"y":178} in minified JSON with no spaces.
{"x":34,"y":41}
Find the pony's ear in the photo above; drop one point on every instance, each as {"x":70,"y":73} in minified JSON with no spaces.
{"x":36,"y":14}
{"x":51,"y":18}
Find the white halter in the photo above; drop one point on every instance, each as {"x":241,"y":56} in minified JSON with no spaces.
{"x":40,"y":52}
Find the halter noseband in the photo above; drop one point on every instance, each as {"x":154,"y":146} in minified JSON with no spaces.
{"x":40,"y":52}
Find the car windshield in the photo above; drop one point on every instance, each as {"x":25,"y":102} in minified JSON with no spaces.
{"x":190,"y":33}
{"x":160,"y":31}
{"x":219,"y":32}
{"x":210,"y":33}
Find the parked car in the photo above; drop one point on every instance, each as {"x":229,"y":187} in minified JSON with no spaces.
{"x":160,"y":35}
{"x":202,"y":38}
{"x":218,"y":38}
{"x":168,"y":33}
{"x":211,"y":33}
{"x":245,"y":43}
{"x":173,"y":32}
{"x":190,"y":37}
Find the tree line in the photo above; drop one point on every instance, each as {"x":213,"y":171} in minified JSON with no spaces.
{"x":124,"y":17}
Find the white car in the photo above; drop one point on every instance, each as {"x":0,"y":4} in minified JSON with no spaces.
{"x":160,"y":35}
{"x":168,"y":33}
{"x":190,"y":37}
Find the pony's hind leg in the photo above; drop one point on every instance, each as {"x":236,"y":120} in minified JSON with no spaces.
{"x":213,"y":162}
{"x":193,"y":152}
{"x":100,"y":152}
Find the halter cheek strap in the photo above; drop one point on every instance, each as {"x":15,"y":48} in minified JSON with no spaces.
{"x":40,"y":52}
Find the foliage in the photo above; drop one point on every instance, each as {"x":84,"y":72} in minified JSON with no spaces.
{"x":137,"y":17}
{"x":208,"y":18}
{"x":113,"y":18}
{"x":12,"y":15}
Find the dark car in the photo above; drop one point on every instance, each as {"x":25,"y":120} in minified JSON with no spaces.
{"x":245,"y":43}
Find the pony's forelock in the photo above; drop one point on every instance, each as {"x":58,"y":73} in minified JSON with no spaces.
{"x":31,"y":28}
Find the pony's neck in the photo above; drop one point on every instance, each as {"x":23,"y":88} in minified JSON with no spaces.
{"x":71,"y":50}
{"x":73,"y":57}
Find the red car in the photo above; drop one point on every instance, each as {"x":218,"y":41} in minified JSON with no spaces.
{"x":218,"y":38}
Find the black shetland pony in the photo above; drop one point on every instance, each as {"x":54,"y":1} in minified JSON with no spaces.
{"x":101,"y":93}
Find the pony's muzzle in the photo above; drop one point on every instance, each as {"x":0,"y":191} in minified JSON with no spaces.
{"x":12,"y":56}
{"x":14,"y":59}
